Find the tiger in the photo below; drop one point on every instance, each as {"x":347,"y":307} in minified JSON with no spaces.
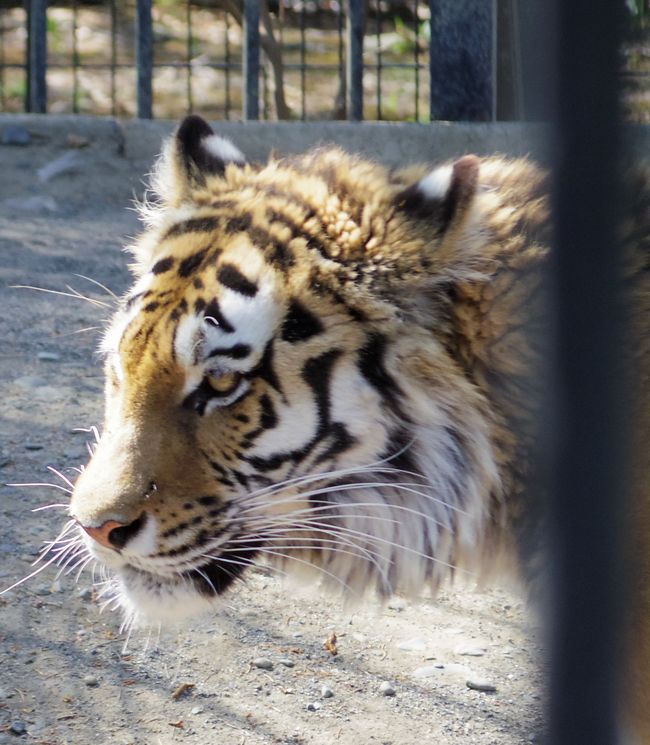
{"x":326,"y":365}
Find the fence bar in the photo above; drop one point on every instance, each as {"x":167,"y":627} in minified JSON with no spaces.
{"x":251,"y":59}
{"x":586,"y":496}
{"x":144,"y":35}
{"x":462,"y":59}
{"x":37,"y":43}
{"x":354,"y":71}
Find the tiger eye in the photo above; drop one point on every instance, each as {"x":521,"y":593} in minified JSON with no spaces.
{"x":224,"y":384}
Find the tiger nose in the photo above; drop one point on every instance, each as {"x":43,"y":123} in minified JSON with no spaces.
{"x":114,"y":534}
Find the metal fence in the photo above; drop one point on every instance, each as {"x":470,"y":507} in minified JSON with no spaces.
{"x":292,"y":59}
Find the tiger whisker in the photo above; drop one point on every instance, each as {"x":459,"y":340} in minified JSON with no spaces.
{"x":59,"y":505}
{"x":100,"y":285}
{"x":63,"y":478}
{"x":73,"y":294}
{"x":45,"y":483}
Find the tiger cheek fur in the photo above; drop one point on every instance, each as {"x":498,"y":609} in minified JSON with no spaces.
{"x":315,"y":367}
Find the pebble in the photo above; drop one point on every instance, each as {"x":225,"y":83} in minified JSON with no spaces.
{"x":74,"y":140}
{"x":66,"y":163}
{"x":286,"y":662}
{"x":30,"y":381}
{"x":18,"y":727}
{"x":398,"y":604}
{"x":33,"y":446}
{"x":263,"y":663}
{"x":48,"y":356}
{"x":86,"y":593}
{"x":479,"y":684}
{"x":313,"y":706}
{"x":411,"y":645}
{"x":326,"y":692}
{"x":91,"y":681}
{"x":31,"y":204}
{"x":197,"y":710}
{"x":427,"y":671}
{"x":386,"y":689}
{"x":14,"y":134}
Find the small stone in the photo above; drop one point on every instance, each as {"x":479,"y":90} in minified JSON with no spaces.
{"x":14,"y":134}
{"x":313,"y":706}
{"x":467,"y":650}
{"x":386,"y":689}
{"x":78,"y":141}
{"x":31,"y":204}
{"x":66,"y":163}
{"x":86,"y":593}
{"x":42,"y":591}
{"x":427,"y":671}
{"x":479,"y":684}
{"x":33,"y":446}
{"x":263,"y":663}
{"x":48,"y":356}
{"x":197,"y":710}
{"x":30,"y":381}
{"x":286,"y":662}
{"x":326,"y":692}
{"x":91,"y":681}
{"x":398,"y":604}
{"x":18,"y":727}
{"x":411,"y":645}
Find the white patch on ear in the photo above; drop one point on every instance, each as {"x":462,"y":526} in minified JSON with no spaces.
{"x":436,"y":184}
{"x":223,"y":149}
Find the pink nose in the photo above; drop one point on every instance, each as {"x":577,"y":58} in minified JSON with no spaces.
{"x":114,"y":534}
{"x":102,"y":533}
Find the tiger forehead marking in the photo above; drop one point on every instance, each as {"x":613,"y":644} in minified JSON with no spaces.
{"x":309,"y":369}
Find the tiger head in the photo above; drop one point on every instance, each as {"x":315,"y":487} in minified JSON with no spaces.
{"x":281,"y":382}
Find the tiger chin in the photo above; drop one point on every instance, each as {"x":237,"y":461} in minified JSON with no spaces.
{"x":321,"y":363}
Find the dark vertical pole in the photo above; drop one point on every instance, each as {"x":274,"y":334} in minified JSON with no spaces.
{"x":586,"y":496}
{"x":251,"y":59}
{"x":228,"y":63}
{"x":75,"y":59}
{"x":354,"y":71}
{"x":462,"y":59}
{"x":113,"y":57}
{"x":144,"y":35}
{"x":190,"y":55}
{"x":37,"y":43}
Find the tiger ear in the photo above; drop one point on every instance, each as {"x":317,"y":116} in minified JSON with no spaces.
{"x":443,"y":196}
{"x":194,"y":153}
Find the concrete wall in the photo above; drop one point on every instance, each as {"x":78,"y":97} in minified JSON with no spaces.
{"x":391,"y":143}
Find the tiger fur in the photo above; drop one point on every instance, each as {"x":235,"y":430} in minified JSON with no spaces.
{"x":322,"y":363}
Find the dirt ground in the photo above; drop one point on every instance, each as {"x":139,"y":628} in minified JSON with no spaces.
{"x":67,"y":674}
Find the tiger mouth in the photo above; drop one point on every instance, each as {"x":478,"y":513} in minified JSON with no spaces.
{"x":210,"y":579}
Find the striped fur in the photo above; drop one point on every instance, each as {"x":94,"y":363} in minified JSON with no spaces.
{"x":322,"y":364}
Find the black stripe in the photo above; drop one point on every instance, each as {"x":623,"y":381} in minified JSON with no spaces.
{"x":236,"y":352}
{"x":299,"y":323}
{"x":276,"y":253}
{"x":238,"y":224}
{"x":194,"y":225}
{"x":151,"y":307}
{"x":265,"y":370}
{"x":164,"y":265}
{"x":371,"y":366}
{"x":316,"y":372}
{"x":191,"y":263}
{"x":231,"y":277}
{"x":212,"y":310}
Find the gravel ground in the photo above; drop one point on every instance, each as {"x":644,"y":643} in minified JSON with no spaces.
{"x":261,"y":668}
